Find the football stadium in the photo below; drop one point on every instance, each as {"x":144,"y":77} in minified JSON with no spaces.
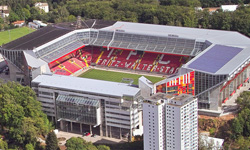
{"x":208,"y":64}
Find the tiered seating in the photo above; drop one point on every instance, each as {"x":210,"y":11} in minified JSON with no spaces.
{"x":96,"y":53}
{"x":60,"y":70}
{"x":68,"y":67}
{"x":169,"y":64}
{"x":150,"y":59}
{"x":104,"y":59}
{"x":136,"y":60}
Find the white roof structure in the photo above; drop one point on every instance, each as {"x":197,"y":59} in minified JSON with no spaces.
{"x":217,"y":143}
{"x":220,"y":60}
{"x":32,"y":61}
{"x":87,"y":85}
{"x":146,"y":81}
{"x":229,"y":7}
{"x":213,"y":36}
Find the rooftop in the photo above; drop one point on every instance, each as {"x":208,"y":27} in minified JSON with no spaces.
{"x":86,"y":85}
{"x":51,"y":32}
{"x":183,"y":97}
{"x":159,"y":96}
{"x":18,"y":22}
{"x":37,"y":38}
{"x":41,"y":4}
{"x":219,"y":59}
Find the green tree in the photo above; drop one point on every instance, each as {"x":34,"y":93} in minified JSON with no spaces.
{"x":21,"y":114}
{"x":90,"y":146}
{"x":71,"y":18}
{"x":76,"y":143}
{"x":1,"y":21}
{"x":237,"y":128}
{"x":29,"y":147}
{"x":103,"y":147}
{"x":3,"y":145}
{"x":244,"y":100}
{"x":51,"y":141}
{"x":26,"y":13}
{"x":13,"y":16}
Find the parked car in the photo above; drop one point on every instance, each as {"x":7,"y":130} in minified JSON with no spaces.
{"x":86,"y":134}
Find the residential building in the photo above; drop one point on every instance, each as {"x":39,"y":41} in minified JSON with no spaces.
{"x":4,"y":11}
{"x":19,"y":23}
{"x":43,"y":6}
{"x":170,"y":122}
{"x":229,"y":7}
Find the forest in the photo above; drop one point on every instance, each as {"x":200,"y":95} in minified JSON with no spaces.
{"x":164,"y":12}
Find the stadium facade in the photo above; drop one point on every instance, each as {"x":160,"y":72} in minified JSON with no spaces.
{"x":208,"y":64}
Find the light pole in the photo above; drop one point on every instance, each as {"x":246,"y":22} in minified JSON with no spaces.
{"x":9,"y":34}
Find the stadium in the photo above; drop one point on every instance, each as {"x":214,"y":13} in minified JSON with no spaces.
{"x":208,"y":64}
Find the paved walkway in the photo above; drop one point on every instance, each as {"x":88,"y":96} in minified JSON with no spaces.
{"x":97,"y":139}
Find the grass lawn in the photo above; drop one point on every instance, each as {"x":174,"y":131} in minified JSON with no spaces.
{"x":14,"y":34}
{"x":115,"y":76}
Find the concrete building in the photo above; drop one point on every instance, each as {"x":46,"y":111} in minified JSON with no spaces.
{"x":229,"y":7}
{"x":19,"y":23}
{"x":217,"y":144}
{"x":43,"y":6}
{"x":170,"y":122}
{"x":36,"y":24}
{"x":100,"y":107}
{"x":4,"y":11}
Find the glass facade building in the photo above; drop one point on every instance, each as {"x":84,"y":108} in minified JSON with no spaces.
{"x":78,"y":109}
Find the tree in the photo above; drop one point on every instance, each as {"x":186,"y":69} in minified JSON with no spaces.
{"x":3,"y":145}
{"x":236,"y":128}
{"x":13,"y":16}
{"x":21,"y":114}
{"x":103,"y":147}
{"x":29,"y":147}
{"x":1,"y":21}
{"x":51,"y":141}
{"x":90,"y":146}
{"x":71,"y":18}
{"x":76,"y":143}
{"x":26,"y":13}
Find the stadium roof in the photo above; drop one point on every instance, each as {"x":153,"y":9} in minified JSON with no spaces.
{"x":86,"y":85}
{"x":51,"y":32}
{"x":219,"y":59}
{"x":32,"y":61}
{"x":37,"y":38}
{"x":214,"y":36}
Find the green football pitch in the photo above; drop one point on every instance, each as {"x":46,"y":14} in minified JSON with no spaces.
{"x":10,"y":35}
{"x":116,"y":76}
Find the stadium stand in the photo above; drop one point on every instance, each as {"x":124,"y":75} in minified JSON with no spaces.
{"x":68,"y":67}
{"x":135,"y":60}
